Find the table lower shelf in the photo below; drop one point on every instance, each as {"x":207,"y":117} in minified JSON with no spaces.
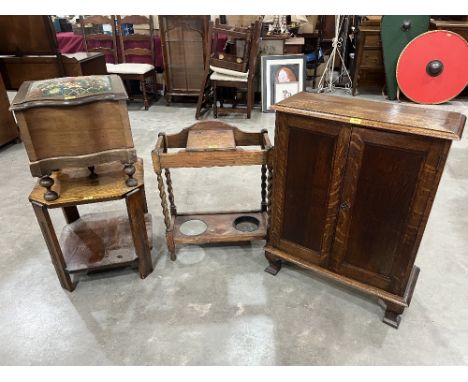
{"x":100,"y":241}
{"x":220,"y":228}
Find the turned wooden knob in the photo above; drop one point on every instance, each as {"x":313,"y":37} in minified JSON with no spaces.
{"x":46,"y":182}
{"x":129,"y":169}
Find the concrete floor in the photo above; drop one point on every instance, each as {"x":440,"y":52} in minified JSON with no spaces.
{"x":215,"y":305}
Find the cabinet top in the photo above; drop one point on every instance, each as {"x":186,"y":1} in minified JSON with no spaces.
{"x":68,"y":91}
{"x":431,"y":122}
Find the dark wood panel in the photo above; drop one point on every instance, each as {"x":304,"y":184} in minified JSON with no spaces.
{"x":183,"y":41}
{"x":308,"y":176}
{"x":377,"y":222}
{"x":16,"y":70}
{"x":382,"y":185}
{"x":27,"y":34}
{"x":315,"y":158}
{"x":8,"y":128}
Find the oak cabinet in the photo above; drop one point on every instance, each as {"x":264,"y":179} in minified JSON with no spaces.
{"x":353,"y":185}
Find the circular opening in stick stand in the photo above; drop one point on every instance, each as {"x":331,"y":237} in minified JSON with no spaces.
{"x":193,"y":227}
{"x":246,"y":223}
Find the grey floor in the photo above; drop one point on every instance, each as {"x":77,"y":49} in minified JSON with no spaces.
{"x":216,"y":305}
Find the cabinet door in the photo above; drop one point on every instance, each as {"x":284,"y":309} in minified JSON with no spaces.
{"x":310,"y":160}
{"x":389,"y":184}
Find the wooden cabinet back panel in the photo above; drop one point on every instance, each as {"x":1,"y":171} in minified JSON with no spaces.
{"x":184,"y":45}
{"x":312,"y":163}
{"x":387,"y":180}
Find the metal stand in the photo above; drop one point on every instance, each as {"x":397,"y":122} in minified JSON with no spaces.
{"x":336,"y":54}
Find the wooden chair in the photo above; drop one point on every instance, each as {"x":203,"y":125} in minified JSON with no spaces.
{"x":98,"y":41}
{"x":94,"y":38}
{"x":131,"y":70}
{"x":230,"y":69}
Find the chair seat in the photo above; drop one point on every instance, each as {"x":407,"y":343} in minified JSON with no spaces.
{"x":215,"y":76}
{"x":229,"y":72}
{"x":129,"y":68}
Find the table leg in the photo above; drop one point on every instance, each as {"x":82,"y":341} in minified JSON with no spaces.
{"x":48,"y":232}
{"x":71,"y":214}
{"x":136,"y":217}
{"x":145,"y":204}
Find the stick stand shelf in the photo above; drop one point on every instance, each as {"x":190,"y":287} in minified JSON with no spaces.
{"x":211,"y":144}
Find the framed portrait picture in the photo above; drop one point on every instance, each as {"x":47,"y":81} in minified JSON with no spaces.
{"x":282,"y":77}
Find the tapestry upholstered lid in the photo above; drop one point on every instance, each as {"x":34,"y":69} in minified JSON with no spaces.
{"x":68,"y":91}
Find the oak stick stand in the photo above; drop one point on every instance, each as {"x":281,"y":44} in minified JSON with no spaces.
{"x":209,"y":144}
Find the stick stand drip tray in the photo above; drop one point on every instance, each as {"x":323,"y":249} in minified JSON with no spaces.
{"x":98,"y":241}
{"x":219,"y":227}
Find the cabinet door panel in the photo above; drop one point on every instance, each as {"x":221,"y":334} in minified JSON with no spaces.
{"x":311,"y":156}
{"x":387,"y":186}
{"x":183,"y":41}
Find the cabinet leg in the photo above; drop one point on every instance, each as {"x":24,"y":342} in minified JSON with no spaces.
{"x":136,"y":217}
{"x":275,"y":264}
{"x":393,"y":314}
{"x":48,"y":232}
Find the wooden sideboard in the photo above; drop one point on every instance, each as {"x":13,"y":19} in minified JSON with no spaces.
{"x":16,"y":70}
{"x":353,"y":185}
